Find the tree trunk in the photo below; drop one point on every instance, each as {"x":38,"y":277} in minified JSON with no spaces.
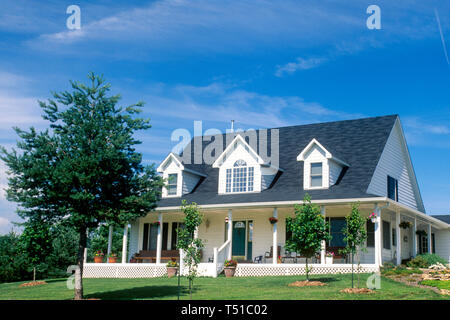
{"x":307,"y":271}
{"x":352,"y":270}
{"x":34,"y":274}
{"x":80,"y":263}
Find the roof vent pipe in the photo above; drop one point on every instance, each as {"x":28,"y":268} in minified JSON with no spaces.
{"x":232,"y":125}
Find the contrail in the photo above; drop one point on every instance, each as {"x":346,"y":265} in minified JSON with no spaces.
{"x":442,"y":36}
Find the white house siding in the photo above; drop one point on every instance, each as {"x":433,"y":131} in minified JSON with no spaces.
{"x":442,"y":240}
{"x":189,"y":182}
{"x":394,"y":162}
{"x":266,"y":180}
{"x":335,"y":171}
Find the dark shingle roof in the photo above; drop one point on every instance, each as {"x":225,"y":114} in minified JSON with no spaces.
{"x":443,"y":217}
{"x":357,"y":142}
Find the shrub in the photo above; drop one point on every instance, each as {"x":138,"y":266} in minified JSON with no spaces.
{"x":418,"y":262}
{"x":400,"y":271}
{"x":426,"y":260}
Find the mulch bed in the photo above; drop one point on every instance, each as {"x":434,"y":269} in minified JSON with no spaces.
{"x":357,"y":290}
{"x":32,"y":284}
{"x":307,"y":284}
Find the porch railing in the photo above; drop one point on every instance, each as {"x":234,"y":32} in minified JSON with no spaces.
{"x":220,"y":255}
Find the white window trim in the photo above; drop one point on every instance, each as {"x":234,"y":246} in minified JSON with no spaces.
{"x":325,"y":160}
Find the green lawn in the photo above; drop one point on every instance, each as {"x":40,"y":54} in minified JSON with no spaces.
{"x":219,"y":288}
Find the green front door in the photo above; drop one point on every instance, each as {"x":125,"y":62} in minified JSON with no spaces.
{"x":238,"y":246}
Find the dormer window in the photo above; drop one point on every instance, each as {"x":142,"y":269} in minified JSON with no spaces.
{"x":239,"y":178}
{"x":321,"y":169}
{"x":172,"y":184}
{"x":316,"y":175}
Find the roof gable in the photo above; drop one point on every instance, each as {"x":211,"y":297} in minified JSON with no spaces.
{"x":238,"y":140}
{"x":327,"y":154}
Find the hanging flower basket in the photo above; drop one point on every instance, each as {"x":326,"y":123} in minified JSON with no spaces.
{"x":373,"y":217}
{"x":422,"y":233}
{"x":405,"y":224}
{"x":273,"y":220}
{"x":155,"y":223}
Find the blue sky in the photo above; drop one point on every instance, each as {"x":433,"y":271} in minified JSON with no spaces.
{"x":261,"y":63}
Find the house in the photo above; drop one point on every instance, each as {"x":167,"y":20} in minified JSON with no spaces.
{"x":241,"y":179}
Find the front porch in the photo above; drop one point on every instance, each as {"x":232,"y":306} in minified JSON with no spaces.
{"x":246,"y":234}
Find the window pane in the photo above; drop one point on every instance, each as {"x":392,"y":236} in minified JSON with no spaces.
{"x":392,"y":186}
{"x":228,"y":181}
{"x":316,"y":181}
{"x":240,"y":163}
{"x":239,"y":179}
{"x":171,"y":190}
{"x":172,"y":184}
{"x":173,"y":178}
{"x":316,"y":168}
{"x":336,"y":227}
{"x":386,"y":235}
{"x":250,"y":178}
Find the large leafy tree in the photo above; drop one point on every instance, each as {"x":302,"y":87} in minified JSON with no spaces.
{"x":84,"y":169}
{"x":355,"y":235}
{"x":308,"y":229}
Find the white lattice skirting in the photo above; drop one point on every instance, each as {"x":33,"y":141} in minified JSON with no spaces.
{"x":117,"y":270}
{"x":152,"y":270}
{"x":261,"y":270}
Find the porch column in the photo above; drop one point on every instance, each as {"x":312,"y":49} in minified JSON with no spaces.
{"x":275,"y":238}
{"x":109,"y":242}
{"x":414,"y":238}
{"x":378,"y":259}
{"x":124,"y":243}
{"x":230,"y":232}
{"x":429,"y":239}
{"x":398,"y":238}
{"x":159,"y":238}
{"x":323,"y":247}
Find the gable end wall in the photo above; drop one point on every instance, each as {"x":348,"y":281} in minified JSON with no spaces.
{"x":393,"y":162}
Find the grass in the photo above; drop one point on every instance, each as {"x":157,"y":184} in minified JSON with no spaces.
{"x":440,"y":284}
{"x":258,"y":288}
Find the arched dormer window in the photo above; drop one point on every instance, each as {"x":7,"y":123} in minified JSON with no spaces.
{"x":240,"y":178}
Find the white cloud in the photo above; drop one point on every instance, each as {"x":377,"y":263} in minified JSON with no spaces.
{"x":299,"y":64}
{"x":5,"y":225}
{"x":222,"y":103}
